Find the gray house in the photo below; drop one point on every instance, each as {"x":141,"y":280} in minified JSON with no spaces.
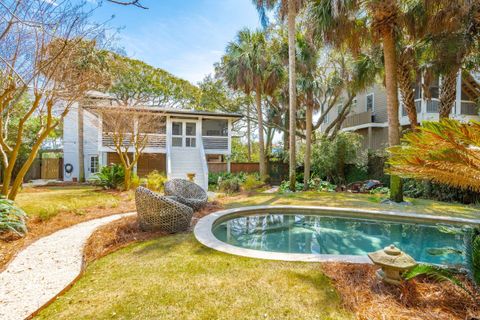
{"x":369,"y":111}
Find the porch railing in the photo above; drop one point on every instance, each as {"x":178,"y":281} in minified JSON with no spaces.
{"x":358,"y":119}
{"x":215,"y":143}
{"x":433,"y":106}
{"x":468,"y":108}
{"x":154,"y":140}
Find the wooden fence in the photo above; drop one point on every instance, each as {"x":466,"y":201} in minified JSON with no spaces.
{"x":249,"y":167}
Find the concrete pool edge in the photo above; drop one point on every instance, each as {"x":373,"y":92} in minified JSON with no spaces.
{"x":203,"y":231}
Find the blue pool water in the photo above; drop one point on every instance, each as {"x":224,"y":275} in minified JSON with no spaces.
{"x":303,"y":233}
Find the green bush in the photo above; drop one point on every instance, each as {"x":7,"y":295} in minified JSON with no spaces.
{"x":110,"y":177}
{"x":230,"y":185}
{"x":252,"y":181}
{"x":155,"y":181}
{"x":427,"y":190}
{"x":285,"y":186}
{"x":380,"y":190}
{"x":12,"y":218}
{"x":330,"y":158}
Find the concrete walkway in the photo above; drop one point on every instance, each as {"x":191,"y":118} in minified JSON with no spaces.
{"x":43,"y":269}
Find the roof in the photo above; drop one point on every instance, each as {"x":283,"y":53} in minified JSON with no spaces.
{"x":171,"y":111}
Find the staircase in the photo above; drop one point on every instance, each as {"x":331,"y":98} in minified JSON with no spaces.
{"x":188,"y":160}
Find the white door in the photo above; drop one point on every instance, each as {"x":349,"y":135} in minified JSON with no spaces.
{"x":93,"y":165}
{"x":184,"y":134}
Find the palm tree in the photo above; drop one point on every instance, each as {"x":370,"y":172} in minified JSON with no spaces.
{"x":289,"y":8}
{"x":307,"y":56}
{"x":248,"y":66}
{"x":350,"y":23}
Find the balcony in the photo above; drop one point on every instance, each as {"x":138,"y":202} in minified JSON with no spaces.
{"x":215,"y":142}
{"x":358,"y":119}
{"x":154,"y":140}
{"x":468,"y":108}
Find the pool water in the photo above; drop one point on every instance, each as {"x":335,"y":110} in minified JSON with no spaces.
{"x":315,"y":234}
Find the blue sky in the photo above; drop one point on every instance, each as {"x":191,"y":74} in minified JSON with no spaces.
{"x":184,"y":37}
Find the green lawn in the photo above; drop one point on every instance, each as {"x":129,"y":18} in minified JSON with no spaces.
{"x":353,"y":200}
{"x":47,"y":202}
{"x":175,"y":277}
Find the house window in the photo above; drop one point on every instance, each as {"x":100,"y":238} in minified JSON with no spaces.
{"x":369,"y":102}
{"x":435,"y":88}
{"x":214,"y":128}
{"x":94,"y":164}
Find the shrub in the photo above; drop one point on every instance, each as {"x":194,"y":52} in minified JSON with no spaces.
{"x":135,"y":181}
{"x":252,"y":181}
{"x":380,"y":190}
{"x":330,"y":157}
{"x":110,"y":177}
{"x":285,"y":186}
{"x":12,"y":218}
{"x":230,"y":185}
{"x":155,"y":181}
{"x":427,"y":190}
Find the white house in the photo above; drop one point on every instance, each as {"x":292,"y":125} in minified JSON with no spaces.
{"x":179,"y":142}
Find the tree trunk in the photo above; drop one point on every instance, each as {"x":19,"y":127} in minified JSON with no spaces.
{"x":408,"y":95}
{"x":249,"y":134}
{"x":128,"y":178}
{"x":448,"y":93}
{"x":308,"y":146}
{"x":261,"y":141}
{"x":292,"y":83}
{"x":286,"y":137}
{"x":389,"y":54}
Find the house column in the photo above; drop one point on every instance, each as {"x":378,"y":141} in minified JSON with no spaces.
{"x":168,"y":145}
{"x":229,"y":123}
{"x":458,"y":98}
{"x":370,"y":129}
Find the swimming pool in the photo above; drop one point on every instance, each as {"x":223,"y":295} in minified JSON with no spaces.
{"x":321,"y":234}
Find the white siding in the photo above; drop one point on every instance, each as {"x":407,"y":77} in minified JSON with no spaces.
{"x":70,"y":141}
{"x":90,"y":139}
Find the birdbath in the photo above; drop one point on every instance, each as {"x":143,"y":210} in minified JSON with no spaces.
{"x":393,"y":263}
{"x":191,"y":176}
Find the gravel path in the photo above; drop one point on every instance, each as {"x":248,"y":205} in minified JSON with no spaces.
{"x":45,"y":268}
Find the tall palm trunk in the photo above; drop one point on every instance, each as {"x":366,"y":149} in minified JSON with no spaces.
{"x":261,"y":140}
{"x":292,"y":82}
{"x":408,"y":95}
{"x":448,"y":93}
{"x":389,"y":54}
{"x":249,"y":134}
{"x":308,"y":145}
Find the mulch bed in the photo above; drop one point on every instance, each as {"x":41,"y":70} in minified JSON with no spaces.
{"x":118,"y":234}
{"x":421,"y":298}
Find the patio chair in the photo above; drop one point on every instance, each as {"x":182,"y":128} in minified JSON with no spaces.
{"x":187,"y":192}
{"x":157,"y":212}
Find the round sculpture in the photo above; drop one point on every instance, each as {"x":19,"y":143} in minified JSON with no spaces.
{"x":156,"y":212}
{"x":186,"y":192}
{"x":393,"y":263}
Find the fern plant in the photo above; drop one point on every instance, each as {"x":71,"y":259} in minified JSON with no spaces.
{"x":12,"y":218}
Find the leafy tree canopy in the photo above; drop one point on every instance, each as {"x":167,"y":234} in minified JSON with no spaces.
{"x":135,"y":82}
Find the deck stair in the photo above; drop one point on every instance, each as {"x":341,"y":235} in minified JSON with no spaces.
{"x":188,"y":160}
